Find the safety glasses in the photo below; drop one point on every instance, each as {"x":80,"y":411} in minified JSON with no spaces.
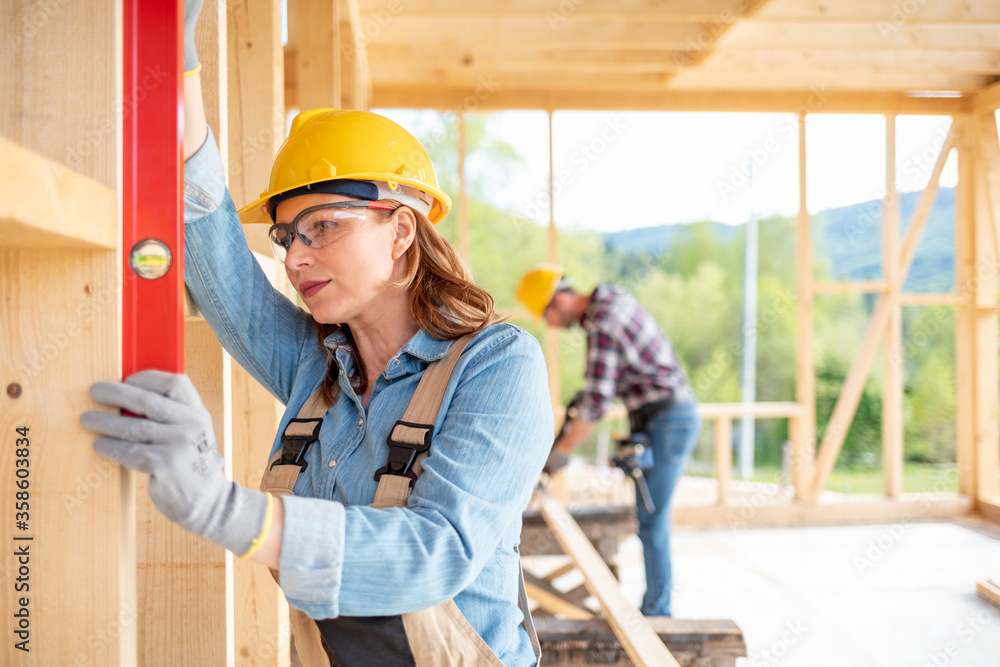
{"x":321,"y":225}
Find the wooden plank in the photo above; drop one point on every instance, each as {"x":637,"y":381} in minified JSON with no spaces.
{"x":317,"y":74}
{"x":492,"y":94}
{"x":776,"y":410}
{"x":859,"y":510}
{"x":892,"y":349}
{"x":711,"y":77}
{"x":965,"y":365}
{"x":43,"y":204}
{"x":843,"y":411}
{"x":885,"y":10}
{"x":549,"y":600}
{"x":638,"y":639}
{"x":863,"y":36}
{"x":185,"y":582}
{"x":850,"y":287}
{"x":723,"y":447}
{"x":916,"y":299}
{"x":256,"y":105}
{"x":858,"y":61}
{"x":59,"y":334}
{"x":989,"y":510}
{"x":989,"y":151}
{"x":989,"y":591}
{"x":804,"y":438}
{"x":988,"y":98}
{"x":708,"y":643}
{"x":354,"y":57}
{"x":698,"y":11}
{"x":987,"y":327}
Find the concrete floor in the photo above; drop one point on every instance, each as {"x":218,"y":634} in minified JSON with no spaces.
{"x":842,"y":596}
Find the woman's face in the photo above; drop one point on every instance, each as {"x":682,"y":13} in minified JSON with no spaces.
{"x":347,"y":280}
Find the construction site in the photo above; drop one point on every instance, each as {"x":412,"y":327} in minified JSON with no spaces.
{"x":797,"y":564}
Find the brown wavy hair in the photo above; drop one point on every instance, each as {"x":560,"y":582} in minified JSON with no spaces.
{"x":444,"y":301}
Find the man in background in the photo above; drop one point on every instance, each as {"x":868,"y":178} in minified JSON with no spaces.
{"x":628,"y":357}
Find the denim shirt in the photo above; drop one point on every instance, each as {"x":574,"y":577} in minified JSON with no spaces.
{"x":456,"y":537}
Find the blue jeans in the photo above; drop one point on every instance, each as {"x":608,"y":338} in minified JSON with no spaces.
{"x":673,"y":434}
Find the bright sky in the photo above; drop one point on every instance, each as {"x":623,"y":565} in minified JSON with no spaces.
{"x":621,"y":170}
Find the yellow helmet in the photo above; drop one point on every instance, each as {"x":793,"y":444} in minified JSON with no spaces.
{"x":327,"y":145}
{"x":537,"y":287}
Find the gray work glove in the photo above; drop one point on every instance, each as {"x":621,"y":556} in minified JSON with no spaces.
{"x":555,"y":462}
{"x":176,"y":447}
{"x":192,"y":8}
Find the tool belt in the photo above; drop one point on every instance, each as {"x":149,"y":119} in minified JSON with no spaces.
{"x":439,"y":636}
{"x":638,"y":420}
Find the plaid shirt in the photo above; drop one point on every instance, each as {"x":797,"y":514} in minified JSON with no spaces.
{"x":627,"y":355}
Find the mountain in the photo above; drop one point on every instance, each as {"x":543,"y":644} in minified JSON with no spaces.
{"x":848,"y":239}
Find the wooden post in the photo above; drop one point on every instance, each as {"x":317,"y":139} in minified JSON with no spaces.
{"x":60,"y":286}
{"x":965,"y":359}
{"x":256,"y":99}
{"x":987,"y":390}
{"x":803,"y":438}
{"x":463,"y":204}
{"x":892,"y":350}
{"x":354,"y":57}
{"x":551,"y":333}
{"x":723,"y":442}
{"x":317,"y":31}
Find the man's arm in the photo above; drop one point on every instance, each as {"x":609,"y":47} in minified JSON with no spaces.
{"x":576,"y":433}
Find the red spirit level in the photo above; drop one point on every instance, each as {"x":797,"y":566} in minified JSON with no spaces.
{"x":153,"y":241}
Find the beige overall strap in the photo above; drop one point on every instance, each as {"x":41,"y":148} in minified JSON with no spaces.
{"x":279,"y":479}
{"x":414,"y":430}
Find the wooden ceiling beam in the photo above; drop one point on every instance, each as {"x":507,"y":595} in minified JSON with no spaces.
{"x":514,"y":33}
{"x":828,"y":34}
{"x":760,"y":79}
{"x":896,"y":11}
{"x":933,"y":61}
{"x":644,"y":10}
{"x":502,"y":97}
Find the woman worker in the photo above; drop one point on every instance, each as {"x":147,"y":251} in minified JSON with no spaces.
{"x":352,"y":202}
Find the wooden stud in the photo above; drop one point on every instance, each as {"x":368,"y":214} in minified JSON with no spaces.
{"x":256,"y":106}
{"x":803,"y":439}
{"x":641,"y":644}
{"x":463,"y":204}
{"x":987,"y":327}
{"x":965,"y":364}
{"x":847,"y":402}
{"x":987,"y":99}
{"x":553,"y":603}
{"x":927,"y":299}
{"x":317,"y":74}
{"x":60,"y":333}
{"x":723,"y":445}
{"x":850,"y":286}
{"x":892,"y":349}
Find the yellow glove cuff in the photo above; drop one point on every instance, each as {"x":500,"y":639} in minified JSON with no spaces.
{"x":193,"y":72}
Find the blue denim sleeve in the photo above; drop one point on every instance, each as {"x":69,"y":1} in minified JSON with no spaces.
{"x":258,"y":325}
{"x":485,"y":458}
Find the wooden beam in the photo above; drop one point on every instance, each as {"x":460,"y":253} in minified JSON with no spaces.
{"x":858,"y":510}
{"x":988,"y":98}
{"x":711,"y":77}
{"x":850,"y":287}
{"x":892,"y":349}
{"x":821,"y":33}
{"x":804,"y":436}
{"x":493,"y":94}
{"x":43,"y":204}
{"x":555,"y":11}
{"x":256,"y":105}
{"x":965,"y":359}
{"x":854,"y":61}
{"x":638,"y":639}
{"x":916,"y":299}
{"x":553,"y":603}
{"x":987,"y":327}
{"x":885,"y":11}
{"x":722,"y":443}
{"x":990,"y":591}
{"x":989,"y":510}
{"x":775,"y":410}
{"x":843,"y":412}
{"x":317,"y":75}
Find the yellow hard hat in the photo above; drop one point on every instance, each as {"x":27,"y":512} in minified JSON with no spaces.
{"x":336,"y":145}
{"x":537,"y":287}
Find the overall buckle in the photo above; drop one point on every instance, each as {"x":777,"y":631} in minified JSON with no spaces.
{"x":403,"y":453}
{"x":295,"y":446}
